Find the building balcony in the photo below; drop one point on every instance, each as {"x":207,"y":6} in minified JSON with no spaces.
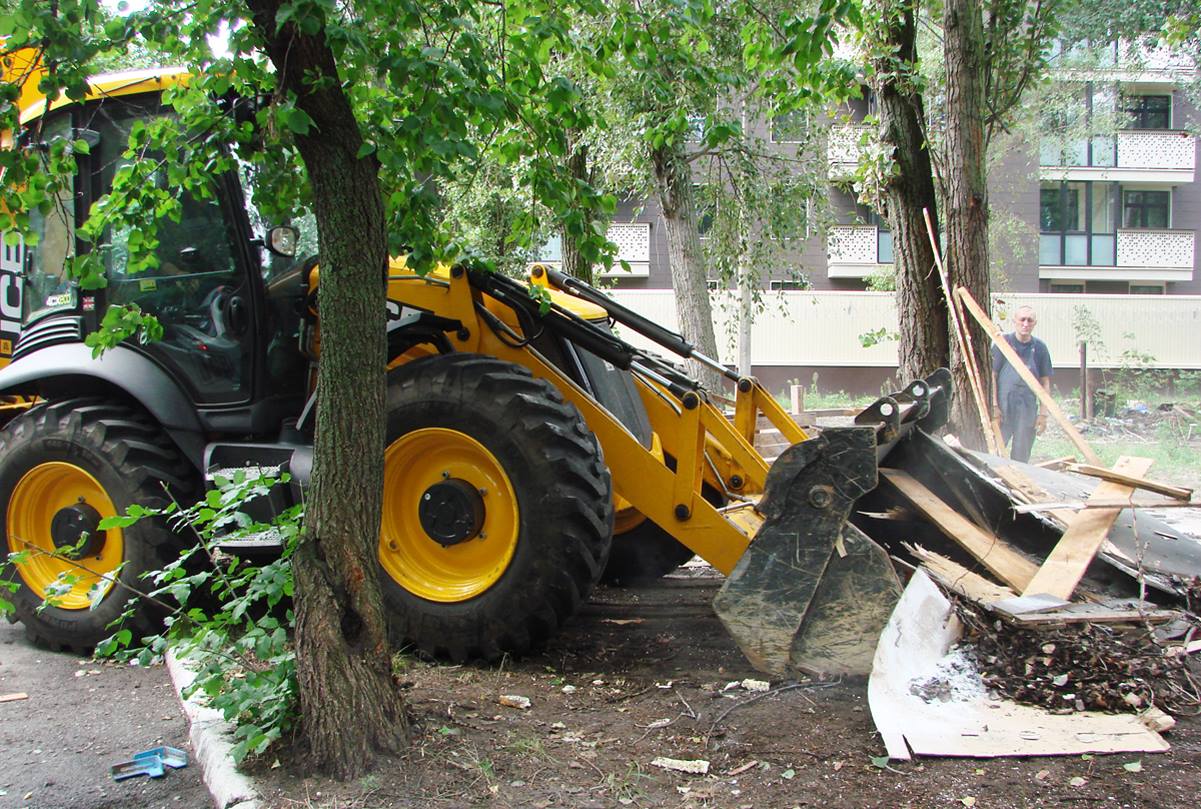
{"x":1122,"y":62}
{"x":843,"y":147}
{"x":1135,"y":155}
{"x":633,"y":242}
{"x":857,"y":251}
{"x":1128,"y":255}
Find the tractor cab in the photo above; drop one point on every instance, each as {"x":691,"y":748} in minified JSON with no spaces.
{"x":229,"y":304}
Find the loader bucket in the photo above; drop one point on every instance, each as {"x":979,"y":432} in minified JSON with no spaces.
{"x":812,"y":592}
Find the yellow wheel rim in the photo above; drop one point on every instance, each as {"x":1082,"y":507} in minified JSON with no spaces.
{"x":412,"y":464}
{"x":40,"y":494}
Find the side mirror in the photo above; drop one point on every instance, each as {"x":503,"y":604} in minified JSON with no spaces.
{"x":283,"y":240}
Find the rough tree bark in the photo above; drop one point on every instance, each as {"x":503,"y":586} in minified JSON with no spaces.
{"x":966,"y":191}
{"x":673,"y":188}
{"x":351,"y":710}
{"x":921,"y":305}
{"x":573,"y":260}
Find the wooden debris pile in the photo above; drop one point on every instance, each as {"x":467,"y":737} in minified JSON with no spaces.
{"x":1041,"y":633}
{"x":1076,"y":667}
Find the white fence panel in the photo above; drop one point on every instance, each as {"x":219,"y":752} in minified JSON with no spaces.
{"x":824,"y":328}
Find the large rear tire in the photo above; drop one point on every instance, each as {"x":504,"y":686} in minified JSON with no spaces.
{"x":64,"y":466}
{"x":498,"y":509}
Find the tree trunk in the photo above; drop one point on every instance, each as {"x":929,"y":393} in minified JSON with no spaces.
{"x":574,"y":263}
{"x":673,"y":186}
{"x":350,"y":707}
{"x":921,"y":306}
{"x":966,"y":185}
{"x":746,"y":273}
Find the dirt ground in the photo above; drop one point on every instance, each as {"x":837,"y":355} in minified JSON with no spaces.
{"x":650,"y":672}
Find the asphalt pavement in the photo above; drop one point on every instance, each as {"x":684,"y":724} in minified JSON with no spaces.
{"x":81,"y":717}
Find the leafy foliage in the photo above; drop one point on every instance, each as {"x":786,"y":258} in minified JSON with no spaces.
{"x":230,"y":621}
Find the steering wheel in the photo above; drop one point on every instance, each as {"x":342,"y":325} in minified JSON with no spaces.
{"x":216,"y":307}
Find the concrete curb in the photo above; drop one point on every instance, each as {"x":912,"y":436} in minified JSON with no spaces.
{"x":211,"y":739}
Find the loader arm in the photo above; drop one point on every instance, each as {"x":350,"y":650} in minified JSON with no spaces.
{"x":794,"y":565}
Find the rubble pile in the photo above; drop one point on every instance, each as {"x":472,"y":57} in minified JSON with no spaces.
{"x":1082,"y":666}
{"x":1142,"y":422}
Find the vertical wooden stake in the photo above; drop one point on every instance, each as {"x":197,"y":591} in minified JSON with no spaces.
{"x":1084,"y":397}
{"x":992,"y":433}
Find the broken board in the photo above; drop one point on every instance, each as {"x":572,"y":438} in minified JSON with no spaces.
{"x":990,"y":550}
{"x":1071,"y":556}
{"x":964,"y":720}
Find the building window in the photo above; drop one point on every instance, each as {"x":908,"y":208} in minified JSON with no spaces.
{"x":1068,"y":289}
{"x":790,"y":127}
{"x":1148,"y":112}
{"x":788,"y":283}
{"x":1077,"y":224}
{"x":712,"y":285}
{"x":1146,"y":289}
{"x":1146,"y":209}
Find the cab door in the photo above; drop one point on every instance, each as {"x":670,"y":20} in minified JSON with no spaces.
{"x":200,"y":290}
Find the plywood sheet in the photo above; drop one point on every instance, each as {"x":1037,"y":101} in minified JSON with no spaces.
{"x":928,"y":700}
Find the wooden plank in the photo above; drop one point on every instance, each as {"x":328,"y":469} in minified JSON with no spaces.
{"x":1043,"y":396}
{"x":956,"y":577}
{"x":1094,"y":505}
{"x":1056,"y":463}
{"x":1078,"y":615}
{"x":1031,"y":492}
{"x":1070,"y":557}
{"x":14,"y":697}
{"x":994,"y":553}
{"x":1178,"y":492}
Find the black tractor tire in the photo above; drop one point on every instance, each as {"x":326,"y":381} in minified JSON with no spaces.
{"x":129,"y":457}
{"x":646,"y":552}
{"x":559,"y":518}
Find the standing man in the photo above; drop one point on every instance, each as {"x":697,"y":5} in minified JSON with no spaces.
{"x":1016,"y":403}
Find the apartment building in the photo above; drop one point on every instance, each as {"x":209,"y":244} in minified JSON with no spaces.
{"x":1103,"y":202}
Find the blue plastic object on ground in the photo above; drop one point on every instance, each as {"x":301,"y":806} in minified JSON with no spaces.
{"x":151,"y":766}
{"x":150,"y":762}
{"x":172,"y":757}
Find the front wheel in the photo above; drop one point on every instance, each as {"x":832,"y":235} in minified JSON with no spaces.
{"x":65,"y":466}
{"x":498,"y":510}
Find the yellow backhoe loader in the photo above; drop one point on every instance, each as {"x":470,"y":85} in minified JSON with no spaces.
{"x":531,"y":451}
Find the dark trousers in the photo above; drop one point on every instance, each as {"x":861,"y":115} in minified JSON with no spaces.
{"x":1018,"y":414}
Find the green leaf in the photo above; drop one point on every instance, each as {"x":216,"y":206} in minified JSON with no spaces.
{"x":1133,"y":766}
{"x":880,"y":762}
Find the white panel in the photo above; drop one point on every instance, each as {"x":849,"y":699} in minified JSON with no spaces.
{"x":1156,"y":248}
{"x":823,"y":328}
{"x":1148,"y":149}
{"x":851,"y":244}
{"x":633,"y":241}
{"x":1168,"y":327}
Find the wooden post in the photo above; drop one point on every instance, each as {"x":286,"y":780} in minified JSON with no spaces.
{"x":797,"y":394}
{"x":1085,"y":399}
{"x":1022,"y":371}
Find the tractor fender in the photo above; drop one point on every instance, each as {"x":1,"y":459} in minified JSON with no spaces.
{"x":70,"y":367}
